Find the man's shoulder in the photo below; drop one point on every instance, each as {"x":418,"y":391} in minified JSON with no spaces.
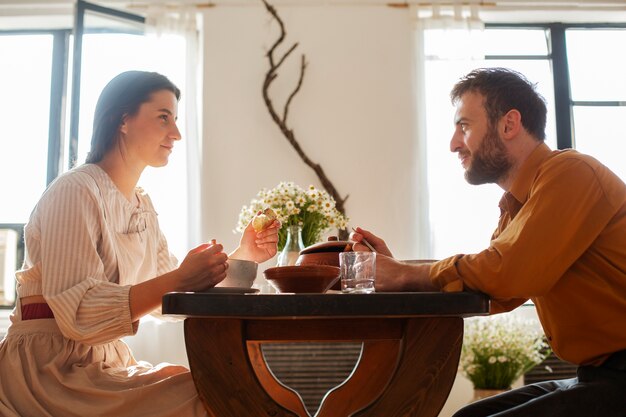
{"x":570,"y":168}
{"x":572,"y":159}
{"x":565,"y":154}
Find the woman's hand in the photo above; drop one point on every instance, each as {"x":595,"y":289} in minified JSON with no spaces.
{"x":379,"y":245}
{"x":258,"y":247}
{"x":203,"y":267}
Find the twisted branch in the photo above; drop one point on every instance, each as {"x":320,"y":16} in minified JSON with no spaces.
{"x":281,"y":120}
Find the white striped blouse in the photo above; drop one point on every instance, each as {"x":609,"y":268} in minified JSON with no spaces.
{"x":86,"y":244}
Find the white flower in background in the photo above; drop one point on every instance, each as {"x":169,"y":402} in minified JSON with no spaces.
{"x":499,"y":349}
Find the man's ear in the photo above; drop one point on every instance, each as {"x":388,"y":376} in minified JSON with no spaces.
{"x":511,"y":124}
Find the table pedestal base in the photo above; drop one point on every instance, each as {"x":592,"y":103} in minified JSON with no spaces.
{"x":407,"y":366}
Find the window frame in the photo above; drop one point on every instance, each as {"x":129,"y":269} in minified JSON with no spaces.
{"x":82,"y":7}
{"x":563,"y":102}
{"x":59,"y":81}
{"x":58,"y":88}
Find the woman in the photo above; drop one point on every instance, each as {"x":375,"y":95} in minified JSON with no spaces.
{"x":97,"y":262}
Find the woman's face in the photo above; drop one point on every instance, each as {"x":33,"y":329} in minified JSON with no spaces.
{"x":147,"y":138}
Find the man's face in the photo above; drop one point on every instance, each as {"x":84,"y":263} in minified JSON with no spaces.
{"x":481,"y":151}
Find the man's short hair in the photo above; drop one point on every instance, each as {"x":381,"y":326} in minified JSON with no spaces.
{"x":504,"y":90}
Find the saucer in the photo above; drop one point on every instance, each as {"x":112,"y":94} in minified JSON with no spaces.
{"x":232,"y":290}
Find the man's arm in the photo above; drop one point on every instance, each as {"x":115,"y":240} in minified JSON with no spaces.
{"x":395,"y":276}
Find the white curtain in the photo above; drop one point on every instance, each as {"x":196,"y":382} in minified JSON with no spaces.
{"x":440,"y":33}
{"x":163,"y":21}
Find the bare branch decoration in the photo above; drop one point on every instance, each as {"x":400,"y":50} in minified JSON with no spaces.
{"x":281,"y":120}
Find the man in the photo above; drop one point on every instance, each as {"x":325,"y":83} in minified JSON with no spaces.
{"x":560,"y":241}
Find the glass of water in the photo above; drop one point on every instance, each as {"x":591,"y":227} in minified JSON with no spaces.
{"x":358,"y":272}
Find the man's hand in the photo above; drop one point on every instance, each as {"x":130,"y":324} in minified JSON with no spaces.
{"x":377,"y":243}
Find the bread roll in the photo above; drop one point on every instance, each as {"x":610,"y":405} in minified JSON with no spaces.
{"x":263,"y":220}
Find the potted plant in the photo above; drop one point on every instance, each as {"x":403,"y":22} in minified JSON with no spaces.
{"x":497,"y":350}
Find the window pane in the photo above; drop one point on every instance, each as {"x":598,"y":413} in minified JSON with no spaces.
{"x":104,"y":56}
{"x":110,"y":45}
{"x":454,"y":44}
{"x":25,"y":85}
{"x":509,"y":42}
{"x":595,"y":134}
{"x":596,"y":64}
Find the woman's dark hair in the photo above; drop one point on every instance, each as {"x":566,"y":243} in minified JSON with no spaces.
{"x":504,"y":90}
{"x":121,"y":97}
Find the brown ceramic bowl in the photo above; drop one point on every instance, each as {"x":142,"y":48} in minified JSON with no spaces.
{"x":302,"y":279}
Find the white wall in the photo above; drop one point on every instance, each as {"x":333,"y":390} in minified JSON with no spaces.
{"x":353,"y":115}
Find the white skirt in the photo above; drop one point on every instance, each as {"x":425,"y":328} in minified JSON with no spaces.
{"x":42,"y":373}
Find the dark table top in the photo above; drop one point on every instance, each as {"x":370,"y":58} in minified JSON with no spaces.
{"x":405,"y":304}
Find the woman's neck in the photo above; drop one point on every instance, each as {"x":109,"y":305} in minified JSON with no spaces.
{"x":124,"y":176}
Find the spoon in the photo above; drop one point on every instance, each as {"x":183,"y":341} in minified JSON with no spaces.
{"x":365,"y":242}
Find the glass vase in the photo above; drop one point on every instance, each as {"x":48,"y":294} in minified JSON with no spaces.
{"x":293,"y":245}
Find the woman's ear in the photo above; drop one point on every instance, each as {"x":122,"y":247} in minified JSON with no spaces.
{"x":124,"y":125}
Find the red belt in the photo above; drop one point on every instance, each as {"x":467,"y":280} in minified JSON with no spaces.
{"x":37,"y":311}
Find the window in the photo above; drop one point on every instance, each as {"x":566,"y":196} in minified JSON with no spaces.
{"x":46,"y":138}
{"x":598,"y":93}
{"x":25,"y":79}
{"x":25,"y":82}
{"x":462,"y":216}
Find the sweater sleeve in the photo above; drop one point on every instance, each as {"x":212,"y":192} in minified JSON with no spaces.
{"x":87,"y":306}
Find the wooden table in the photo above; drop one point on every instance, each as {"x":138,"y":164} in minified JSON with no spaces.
{"x":411,"y":348}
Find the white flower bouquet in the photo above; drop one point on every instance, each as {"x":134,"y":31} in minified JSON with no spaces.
{"x":497,"y":350}
{"x":312,"y":209}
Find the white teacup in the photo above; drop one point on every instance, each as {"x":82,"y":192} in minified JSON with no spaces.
{"x":240,"y":274}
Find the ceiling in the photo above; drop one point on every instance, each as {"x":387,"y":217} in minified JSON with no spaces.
{"x":489,"y":10}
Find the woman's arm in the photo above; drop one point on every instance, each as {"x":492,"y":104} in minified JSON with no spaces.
{"x":202,"y":268}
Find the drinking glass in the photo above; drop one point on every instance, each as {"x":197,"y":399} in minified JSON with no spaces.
{"x":358,"y":272}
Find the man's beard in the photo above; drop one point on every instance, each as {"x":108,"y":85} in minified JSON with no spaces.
{"x":490,"y":162}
